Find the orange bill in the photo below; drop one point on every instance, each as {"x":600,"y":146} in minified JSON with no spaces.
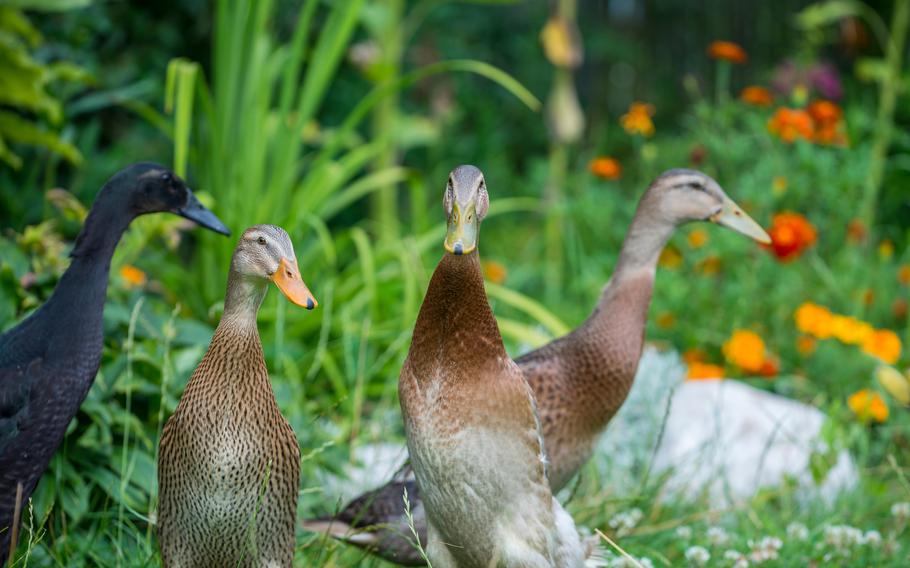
{"x":288,"y":280}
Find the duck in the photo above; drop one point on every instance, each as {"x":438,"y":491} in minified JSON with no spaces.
{"x":49,"y":361}
{"x":229,"y":462}
{"x":471,"y":420}
{"x":580,"y":380}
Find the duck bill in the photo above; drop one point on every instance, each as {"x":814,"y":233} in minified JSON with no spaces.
{"x":288,"y":280}
{"x":733,"y":217}
{"x":461,"y":235}
{"x":196,"y":212}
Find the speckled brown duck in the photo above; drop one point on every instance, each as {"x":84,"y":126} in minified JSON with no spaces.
{"x":470,"y":418}
{"x":581,"y":380}
{"x":49,"y":361}
{"x":229,"y":463}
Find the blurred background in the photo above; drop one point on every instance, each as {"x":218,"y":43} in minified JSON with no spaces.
{"x":340,"y":121}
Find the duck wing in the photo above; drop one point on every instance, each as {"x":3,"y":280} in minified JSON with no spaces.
{"x":16,"y":384}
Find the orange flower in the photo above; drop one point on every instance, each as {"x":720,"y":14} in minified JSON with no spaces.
{"x":903,"y":274}
{"x":495,"y":272}
{"x":806,"y":345}
{"x":899,"y":308}
{"x":746,"y":350}
{"x":830,"y":135}
{"x":791,"y":234}
{"x":884,"y":344}
{"x":727,"y":51}
{"x":849,"y":330}
{"x":698,"y":238}
{"x":770,"y":368}
{"x":666,"y":320}
{"x":868,"y":405}
{"x":638,"y":119}
{"x":824,"y":112}
{"x":132,"y":276}
{"x":856,"y":231}
{"x":709,"y":266}
{"x":814,"y":320}
{"x":605,"y":168}
{"x":789,"y":124}
{"x":758,"y":96}
{"x":868,"y":296}
{"x":701,"y":371}
{"x":694,"y":355}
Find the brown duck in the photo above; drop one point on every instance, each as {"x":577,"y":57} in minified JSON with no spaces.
{"x":470,"y":418}
{"x":229,"y":463}
{"x":581,"y":380}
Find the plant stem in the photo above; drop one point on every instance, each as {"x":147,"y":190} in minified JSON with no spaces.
{"x":887,"y":101}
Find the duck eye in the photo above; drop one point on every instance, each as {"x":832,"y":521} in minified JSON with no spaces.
{"x":261,"y":240}
{"x":166,"y":177}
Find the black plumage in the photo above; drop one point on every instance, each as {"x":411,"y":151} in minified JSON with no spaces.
{"x":49,"y":361}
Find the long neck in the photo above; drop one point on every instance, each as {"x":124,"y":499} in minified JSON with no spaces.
{"x":241,"y":302}
{"x":455,"y":326}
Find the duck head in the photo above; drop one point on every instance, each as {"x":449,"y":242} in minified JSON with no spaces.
{"x":466,"y":203}
{"x":680,"y":196}
{"x":265,"y":253}
{"x":152,"y":188}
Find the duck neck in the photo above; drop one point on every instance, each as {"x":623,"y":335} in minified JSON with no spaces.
{"x":241,"y":303}
{"x":455,"y":326}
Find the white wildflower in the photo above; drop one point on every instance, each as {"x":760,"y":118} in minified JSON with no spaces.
{"x":736,"y":559}
{"x":717,"y":536}
{"x":764,"y":550}
{"x":901,"y":511}
{"x":797,"y":531}
{"x":842,"y":537}
{"x":684,"y":532}
{"x":624,"y":522}
{"x":698,"y":555}
{"x":872,"y":538}
{"x":625,"y":562}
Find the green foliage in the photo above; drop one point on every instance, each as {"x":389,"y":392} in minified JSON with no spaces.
{"x":24,"y":86}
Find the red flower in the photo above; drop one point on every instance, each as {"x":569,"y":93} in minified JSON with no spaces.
{"x":791,"y":234}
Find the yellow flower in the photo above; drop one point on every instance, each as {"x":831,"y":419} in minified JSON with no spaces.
{"x":886,"y":249}
{"x":884,"y":344}
{"x":494,"y":271}
{"x":894,"y":382}
{"x":814,"y":320}
{"x":850,"y":330}
{"x":746,"y":350}
{"x":699,"y":371}
{"x":868,"y":405}
{"x":560,"y":43}
{"x":670,"y":258}
{"x":779,"y":185}
{"x":132,"y":276}
{"x":698,"y":238}
{"x":638,"y":119}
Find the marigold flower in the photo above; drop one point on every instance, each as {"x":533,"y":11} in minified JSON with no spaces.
{"x":903,"y":274}
{"x":868,"y":297}
{"x":605,"y":167}
{"x":132,"y":276}
{"x":899,"y":308}
{"x":698,"y":238}
{"x":824,"y":112}
{"x":883,"y":344}
{"x":814,"y":320}
{"x":868,"y":405}
{"x":849,"y":330}
{"x":638,"y":119}
{"x":770,"y":368}
{"x":830,"y":135}
{"x":746,"y":350}
{"x":666,"y":320}
{"x":806,"y":345}
{"x":727,"y":51}
{"x":709,"y":266}
{"x":789,"y":124}
{"x":699,"y":371}
{"x":494,"y":271}
{"x":757,"y":96}
{"x":791,"y":234}
{"x":694,"y":355}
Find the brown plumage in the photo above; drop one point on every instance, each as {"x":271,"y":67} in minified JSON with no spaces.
{"x":470,"y":420}
{"x":229,"y":463}
{"x":581,"y":380}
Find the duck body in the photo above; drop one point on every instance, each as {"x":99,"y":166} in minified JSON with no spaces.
{"x":49,"y":361}
{"x":229,"y":466}
{"x":473,"y":435}
{"x":229,"y":463}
